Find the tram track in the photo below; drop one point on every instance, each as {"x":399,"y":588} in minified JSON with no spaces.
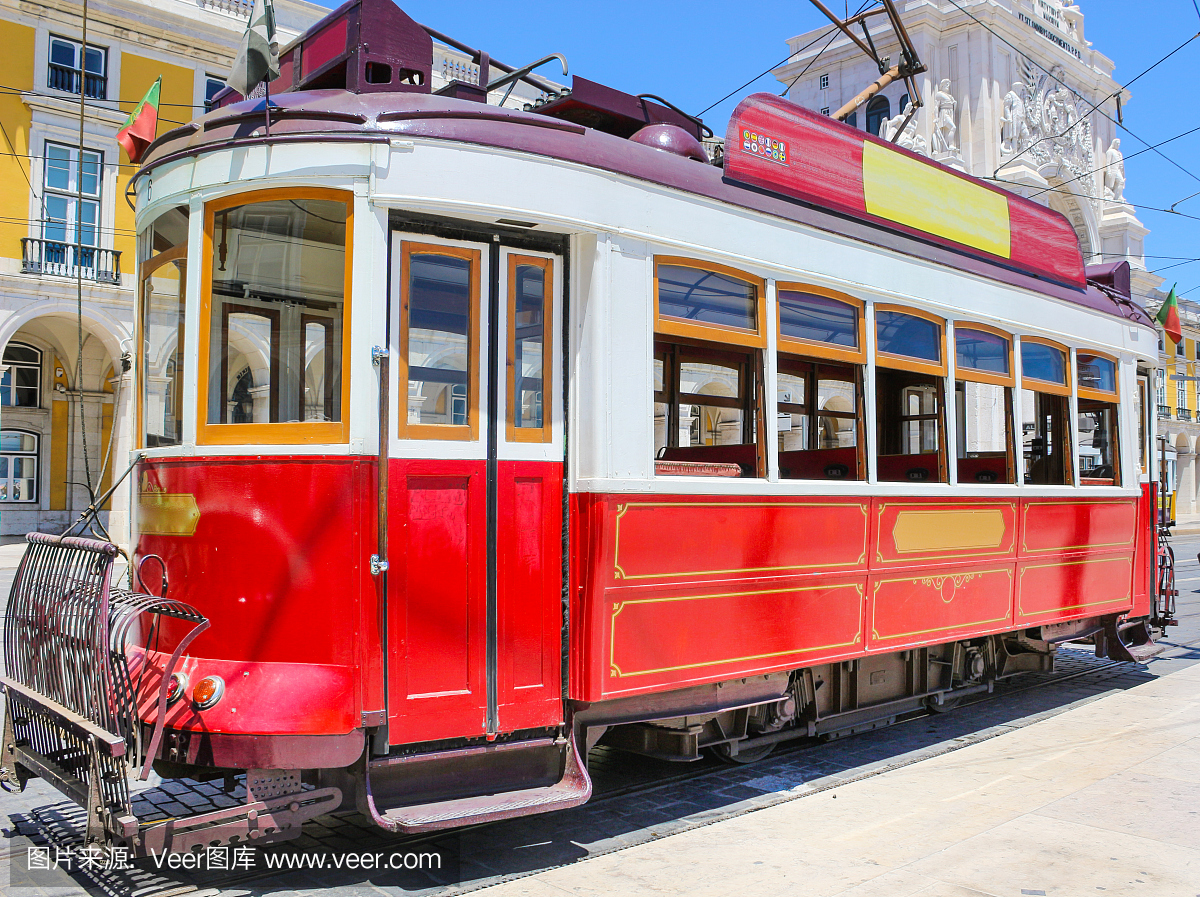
{"x":149,"y":882}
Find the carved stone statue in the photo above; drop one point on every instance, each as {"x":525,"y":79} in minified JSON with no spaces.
{"x":1014,"y":125}
{"x":909,"y":138}
{"x":1114,"y":172}
{"x":945,"y":131}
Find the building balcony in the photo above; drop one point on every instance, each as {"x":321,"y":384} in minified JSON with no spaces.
{"x":58,"y":259}
{"x":65,"y":78}
{"x":1164,"y":412}
{"x":1183,"y":413}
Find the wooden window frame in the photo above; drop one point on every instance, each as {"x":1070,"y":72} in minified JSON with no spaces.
{"x":468,"y":432}
{"x":977,"y":376}
{"x":544,"y":433}
{"x":325,"y":323}
{"x":1116,"y":478}
{"x":272,"y":315}
{"x":1049,"y":386}
{"x":1100,"y":395}
{"x":751,"y":390}
{"x":1068,"y":446}
{"x":148,"y":267}
{"x":299,"y":433}
{"x":939,"y":417}
{"x":665,"y":324}
{"x":789,"y":364}
{"x":813,"y":348}
{"x":905,"y":362}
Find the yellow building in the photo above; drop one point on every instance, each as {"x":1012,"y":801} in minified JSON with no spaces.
{"x":1176,"y":400}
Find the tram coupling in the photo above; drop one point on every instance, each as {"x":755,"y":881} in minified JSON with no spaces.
{"x":80,"y":694}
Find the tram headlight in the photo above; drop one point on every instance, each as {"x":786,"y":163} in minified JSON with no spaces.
{"x":176,"y":688}
{"x":207,"y":692}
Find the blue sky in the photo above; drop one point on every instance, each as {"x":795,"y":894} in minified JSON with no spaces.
{"x":695,"y":52}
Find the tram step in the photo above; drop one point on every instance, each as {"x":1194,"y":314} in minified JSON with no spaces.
{"x":520,"y":769}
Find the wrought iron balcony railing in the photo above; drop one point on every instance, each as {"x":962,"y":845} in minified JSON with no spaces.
{"x":70,"y":260}
{"x":1183,"y":413}
{"x":65,"y":78}
{"x":1164,"y":411}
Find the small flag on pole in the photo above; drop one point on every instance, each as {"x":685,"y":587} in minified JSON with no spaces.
{"x":140,"y":128}
{"x":1168,"y":316}
{"x":258,"y":55}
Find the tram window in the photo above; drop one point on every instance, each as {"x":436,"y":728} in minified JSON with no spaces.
{"x":984,"y":432}
{"x":909,"y":418}
{"x":909,"y":397}
{"x":161,"y":363}
{"x":984,"y":404}
{"x":1046,"y":442}
{"x":704,"y":296}
{"x":1041,"y":361}
{"x":817,"y":318}
{"x":438,"y":342}
{"x":908,"y":336}
{"x":818,"y":414}
{"x":704,"y":420}
{"x":1099,"y":458}
{"x":277,"y":310}
{"x":1098,"y":444}
{"x":530,"y":281}
{"x":167,"y":230}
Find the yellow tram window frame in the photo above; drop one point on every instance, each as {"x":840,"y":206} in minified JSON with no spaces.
{"x":298,"y":433}
{"x":148,"y":267}
{"x":469,"y":431}
{"x":742,"y":336}
{"x":909,"y":362}
{"x":1100,"y":395}
{"x":1008,"y":381}
{"x":815,"y":348}
{"x":1049,"y":386}
{"x":544,"y":432}
{"x":962,"y":372}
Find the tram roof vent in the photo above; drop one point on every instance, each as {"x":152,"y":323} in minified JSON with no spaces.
{"x":1114,"y":275}
{"x":363,"y":46}
{"x":612,"y":111}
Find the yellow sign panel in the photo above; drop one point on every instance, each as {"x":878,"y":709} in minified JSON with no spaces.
{"x":167,"y":514}
{"x":959,"y":530}
{"x":922,"y":196}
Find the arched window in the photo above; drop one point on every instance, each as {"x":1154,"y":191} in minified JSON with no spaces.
{"x":21,"y":377}
{"x":877,"y":110}
{"x":18,"y":466}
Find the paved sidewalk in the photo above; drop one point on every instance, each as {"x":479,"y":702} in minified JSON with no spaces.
{"x":1102,"y":799}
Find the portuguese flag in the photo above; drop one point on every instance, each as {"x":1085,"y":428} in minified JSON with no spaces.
{"x":1168,"y":316}
{"x":142,"y":125}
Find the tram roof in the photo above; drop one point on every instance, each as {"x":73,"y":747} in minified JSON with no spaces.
{"x":341,"y":115}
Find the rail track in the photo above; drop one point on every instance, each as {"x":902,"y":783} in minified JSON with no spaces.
{"x":487,"y":854}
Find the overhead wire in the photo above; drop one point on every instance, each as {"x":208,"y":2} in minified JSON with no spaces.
{"x":765,"y":71}
{"x":832,"y":31}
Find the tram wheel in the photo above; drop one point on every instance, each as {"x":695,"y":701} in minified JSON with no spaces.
{"x":948,"y":703}
{"x":745,"y":756}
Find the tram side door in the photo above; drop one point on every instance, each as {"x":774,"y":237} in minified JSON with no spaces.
{"x":475,"y":493}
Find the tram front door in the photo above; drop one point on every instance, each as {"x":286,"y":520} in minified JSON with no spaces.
{"x":474,"y":618}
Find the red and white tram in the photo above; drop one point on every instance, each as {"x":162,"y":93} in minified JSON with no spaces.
{"x":470,"y":436}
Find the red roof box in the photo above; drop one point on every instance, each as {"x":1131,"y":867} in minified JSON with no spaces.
{"x":775,"y":145}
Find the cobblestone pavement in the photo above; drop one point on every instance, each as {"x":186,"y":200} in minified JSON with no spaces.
{"x":637,"y":800}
